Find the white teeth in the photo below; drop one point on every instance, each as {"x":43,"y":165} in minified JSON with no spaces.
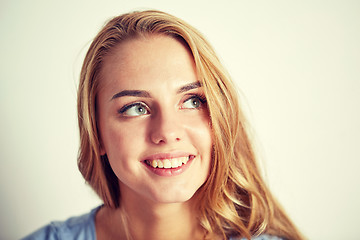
{"x":174,"y":163}
{"x":168,"y":163}
{"x":179,"y":162}
{"x":154,"y":163}
{"x":184,"y":160}
{"x":160,"y":164}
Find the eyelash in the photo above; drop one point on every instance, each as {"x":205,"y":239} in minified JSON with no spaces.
{"x":201,"y":98}
{"x":127,"y":107}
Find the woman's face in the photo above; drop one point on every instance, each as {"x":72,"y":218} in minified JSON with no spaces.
{"x":153,"y":120}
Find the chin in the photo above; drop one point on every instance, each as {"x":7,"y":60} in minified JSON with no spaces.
{"x":173,"y":197}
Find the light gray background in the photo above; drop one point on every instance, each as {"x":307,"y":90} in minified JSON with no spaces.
{"x":297,"y":63}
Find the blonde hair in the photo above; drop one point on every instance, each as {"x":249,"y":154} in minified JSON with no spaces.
{"x":234,"y":201}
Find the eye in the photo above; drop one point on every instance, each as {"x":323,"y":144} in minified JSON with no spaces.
{"x":135,"y":109}
{"x":193,"y":102}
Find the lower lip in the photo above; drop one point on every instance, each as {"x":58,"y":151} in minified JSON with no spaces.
{"x":170,"y":172}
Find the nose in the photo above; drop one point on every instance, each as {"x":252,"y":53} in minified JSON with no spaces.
{"x":166,"y":127}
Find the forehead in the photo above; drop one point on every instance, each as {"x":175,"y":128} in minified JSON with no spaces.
{"x":153,"y":59}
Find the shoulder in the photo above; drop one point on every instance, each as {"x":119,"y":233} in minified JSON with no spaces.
{"x":261,"y":237}
{"x":79,"y":228}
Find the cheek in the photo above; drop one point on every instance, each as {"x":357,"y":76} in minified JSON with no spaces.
{"x":121,"y":139}
{"x":199,"y":130}
{"x":200,"y":122}
{"x":123,"y":145}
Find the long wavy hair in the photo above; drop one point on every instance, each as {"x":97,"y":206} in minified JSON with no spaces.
{"x":234,"y":201}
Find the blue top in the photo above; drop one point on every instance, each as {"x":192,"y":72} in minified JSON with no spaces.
{"x":83,"y":228}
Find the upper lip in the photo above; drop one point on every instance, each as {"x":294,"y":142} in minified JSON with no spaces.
{"x":167,"y":155}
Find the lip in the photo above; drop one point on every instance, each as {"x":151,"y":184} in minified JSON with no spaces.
{"x":169,"y":172}
{"x":168,"y":155}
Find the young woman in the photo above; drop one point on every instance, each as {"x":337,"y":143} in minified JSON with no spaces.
{"x":164,"y":142}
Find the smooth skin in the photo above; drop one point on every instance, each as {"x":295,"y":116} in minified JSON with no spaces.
{"x":150,"y":105}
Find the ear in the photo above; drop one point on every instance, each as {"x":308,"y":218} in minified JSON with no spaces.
{"x":101,"y":147}
{"x":102,"y":150}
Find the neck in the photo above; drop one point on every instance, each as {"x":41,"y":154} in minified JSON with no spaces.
{"x":149,"y":220}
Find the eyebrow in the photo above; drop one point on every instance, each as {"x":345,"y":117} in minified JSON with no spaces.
{"x":145,"y":94}
{"x":189,"y":87}
{"x":133,"y":93}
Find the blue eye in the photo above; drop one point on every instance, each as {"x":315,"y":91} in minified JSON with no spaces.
{"x":136,"y":109}
{"x":193,"y":102}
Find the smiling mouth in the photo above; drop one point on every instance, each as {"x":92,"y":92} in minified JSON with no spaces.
{"x":169,"y":163}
